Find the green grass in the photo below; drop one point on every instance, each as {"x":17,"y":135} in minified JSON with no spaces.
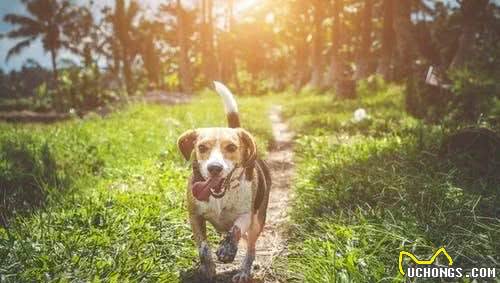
{"x":365,"y":191}
{"x":103,"y":199}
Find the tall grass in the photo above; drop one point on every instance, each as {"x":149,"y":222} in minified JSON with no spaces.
{"x":366,"y":190}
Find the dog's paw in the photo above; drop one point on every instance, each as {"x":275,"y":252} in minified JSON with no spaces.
{"x":207,"y":272}
{"x":227,"y":249}
{"x":243,"y":276}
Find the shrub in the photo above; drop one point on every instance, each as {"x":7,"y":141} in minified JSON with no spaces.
{"x":80,"y":88}
{"x":43,"y":98}
{"x":473,"y":95}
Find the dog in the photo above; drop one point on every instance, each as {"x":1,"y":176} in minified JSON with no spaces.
{"x":229,"y":187}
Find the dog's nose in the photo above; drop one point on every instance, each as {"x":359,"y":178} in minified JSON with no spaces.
{"x":214,"y":169}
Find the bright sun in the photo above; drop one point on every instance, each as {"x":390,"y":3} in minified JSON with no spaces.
{"x":244,"y":5}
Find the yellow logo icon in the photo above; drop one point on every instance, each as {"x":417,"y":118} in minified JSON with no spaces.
{"x":425,"y":262}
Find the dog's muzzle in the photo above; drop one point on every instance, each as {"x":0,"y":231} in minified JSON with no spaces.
{"x":215,"y":186}
{"x":212,"y":186}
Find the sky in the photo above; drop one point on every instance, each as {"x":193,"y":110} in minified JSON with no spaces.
{"x":36,"y":52}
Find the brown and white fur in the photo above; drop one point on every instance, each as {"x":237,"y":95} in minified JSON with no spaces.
{"x":240,"y":211}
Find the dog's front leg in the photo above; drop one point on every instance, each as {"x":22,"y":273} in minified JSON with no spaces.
{"x":245,"y":273}
{"x":229,"y":245}
{"x":207,"y":265}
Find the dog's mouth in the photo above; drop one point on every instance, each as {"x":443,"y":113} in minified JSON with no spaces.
{"x":212,"y":186}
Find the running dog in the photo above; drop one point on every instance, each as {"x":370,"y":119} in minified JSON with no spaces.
{"x":229,"y":187}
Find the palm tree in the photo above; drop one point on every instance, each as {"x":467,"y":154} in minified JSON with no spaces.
{"x":182,"y":38}
{"x":388,"y":38}
{"x":317,"y":45}
{"x":45,"y":21}
{"x":336,"y":62}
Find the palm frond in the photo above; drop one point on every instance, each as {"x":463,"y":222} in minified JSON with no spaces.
{"x":24,"y":31}
{"x":18,"y":48}
{"x":65,"y":11}
{"x":21,"y":20}
{"x":42,"y":9}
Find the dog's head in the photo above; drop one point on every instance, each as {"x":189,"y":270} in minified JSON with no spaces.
{"x":218,"y":150}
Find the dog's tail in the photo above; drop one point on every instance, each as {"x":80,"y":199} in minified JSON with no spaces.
{"x":230,"y":106}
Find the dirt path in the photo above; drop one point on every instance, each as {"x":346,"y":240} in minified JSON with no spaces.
{"x":155,"y":97}
{"x":272,"y":242}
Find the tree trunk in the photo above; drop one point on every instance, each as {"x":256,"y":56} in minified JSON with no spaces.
{"x":210,"y":70}
{"x":121,"y":31}
{"x":336,"y":63}
{"x":226,"y":48}
{"x":151,"y":61}
{"x":185,"y":72}
{"x":363,"y":64}
{"x":58,"y":100}
{"x":301,"y":69}
{"x":317,"y":47}
{"x":127,"y":71}
{"x":471,"y":12}
{"x":55,"y":73}
{"x":405,"y":65}
{"x":385,"y":64}
{"x":405,"y":41}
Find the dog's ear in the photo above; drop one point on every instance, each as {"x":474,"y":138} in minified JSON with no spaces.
{"x":186,"y":143}
{"x":248,"y":141}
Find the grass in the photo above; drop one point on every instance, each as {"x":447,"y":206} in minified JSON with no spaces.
{"x":102,"y":199}
{"x":367,"y":190}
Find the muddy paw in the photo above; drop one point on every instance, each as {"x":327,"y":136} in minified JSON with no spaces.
{"x":227,"y":249}
{"x":207,"y":272}
{"x":242,"y":277}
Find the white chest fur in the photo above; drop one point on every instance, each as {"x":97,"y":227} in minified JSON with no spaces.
{"x":222,"y":212}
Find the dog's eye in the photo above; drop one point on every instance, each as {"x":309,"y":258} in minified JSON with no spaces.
{"x":202,"y":148}
{"x":231,"y":148}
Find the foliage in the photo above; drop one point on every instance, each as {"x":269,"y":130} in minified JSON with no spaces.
{"x":43,"y":98}
{"x":271,"y":46}
{"x":473,"y":95}
{"x":23,"y":83}
{"x":81,"y":88}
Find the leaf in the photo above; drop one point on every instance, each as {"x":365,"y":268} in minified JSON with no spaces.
{"x":19,"y":47}
{"x":20,"y":20}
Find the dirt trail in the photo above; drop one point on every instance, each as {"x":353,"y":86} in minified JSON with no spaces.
{"x":156,"y":97}
{"x":272,"y":241}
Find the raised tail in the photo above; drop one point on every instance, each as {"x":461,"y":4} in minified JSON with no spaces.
{"x":230,"y":106}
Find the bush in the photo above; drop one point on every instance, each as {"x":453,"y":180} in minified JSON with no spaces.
{"x":43,"y":98}
{"x":80,"y":88}
{"x":471,"y":99}
{"x":473,"y":94}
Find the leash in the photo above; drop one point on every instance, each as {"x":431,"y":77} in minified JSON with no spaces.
{"x":247,"y":165}
{"x":227,"y":182}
